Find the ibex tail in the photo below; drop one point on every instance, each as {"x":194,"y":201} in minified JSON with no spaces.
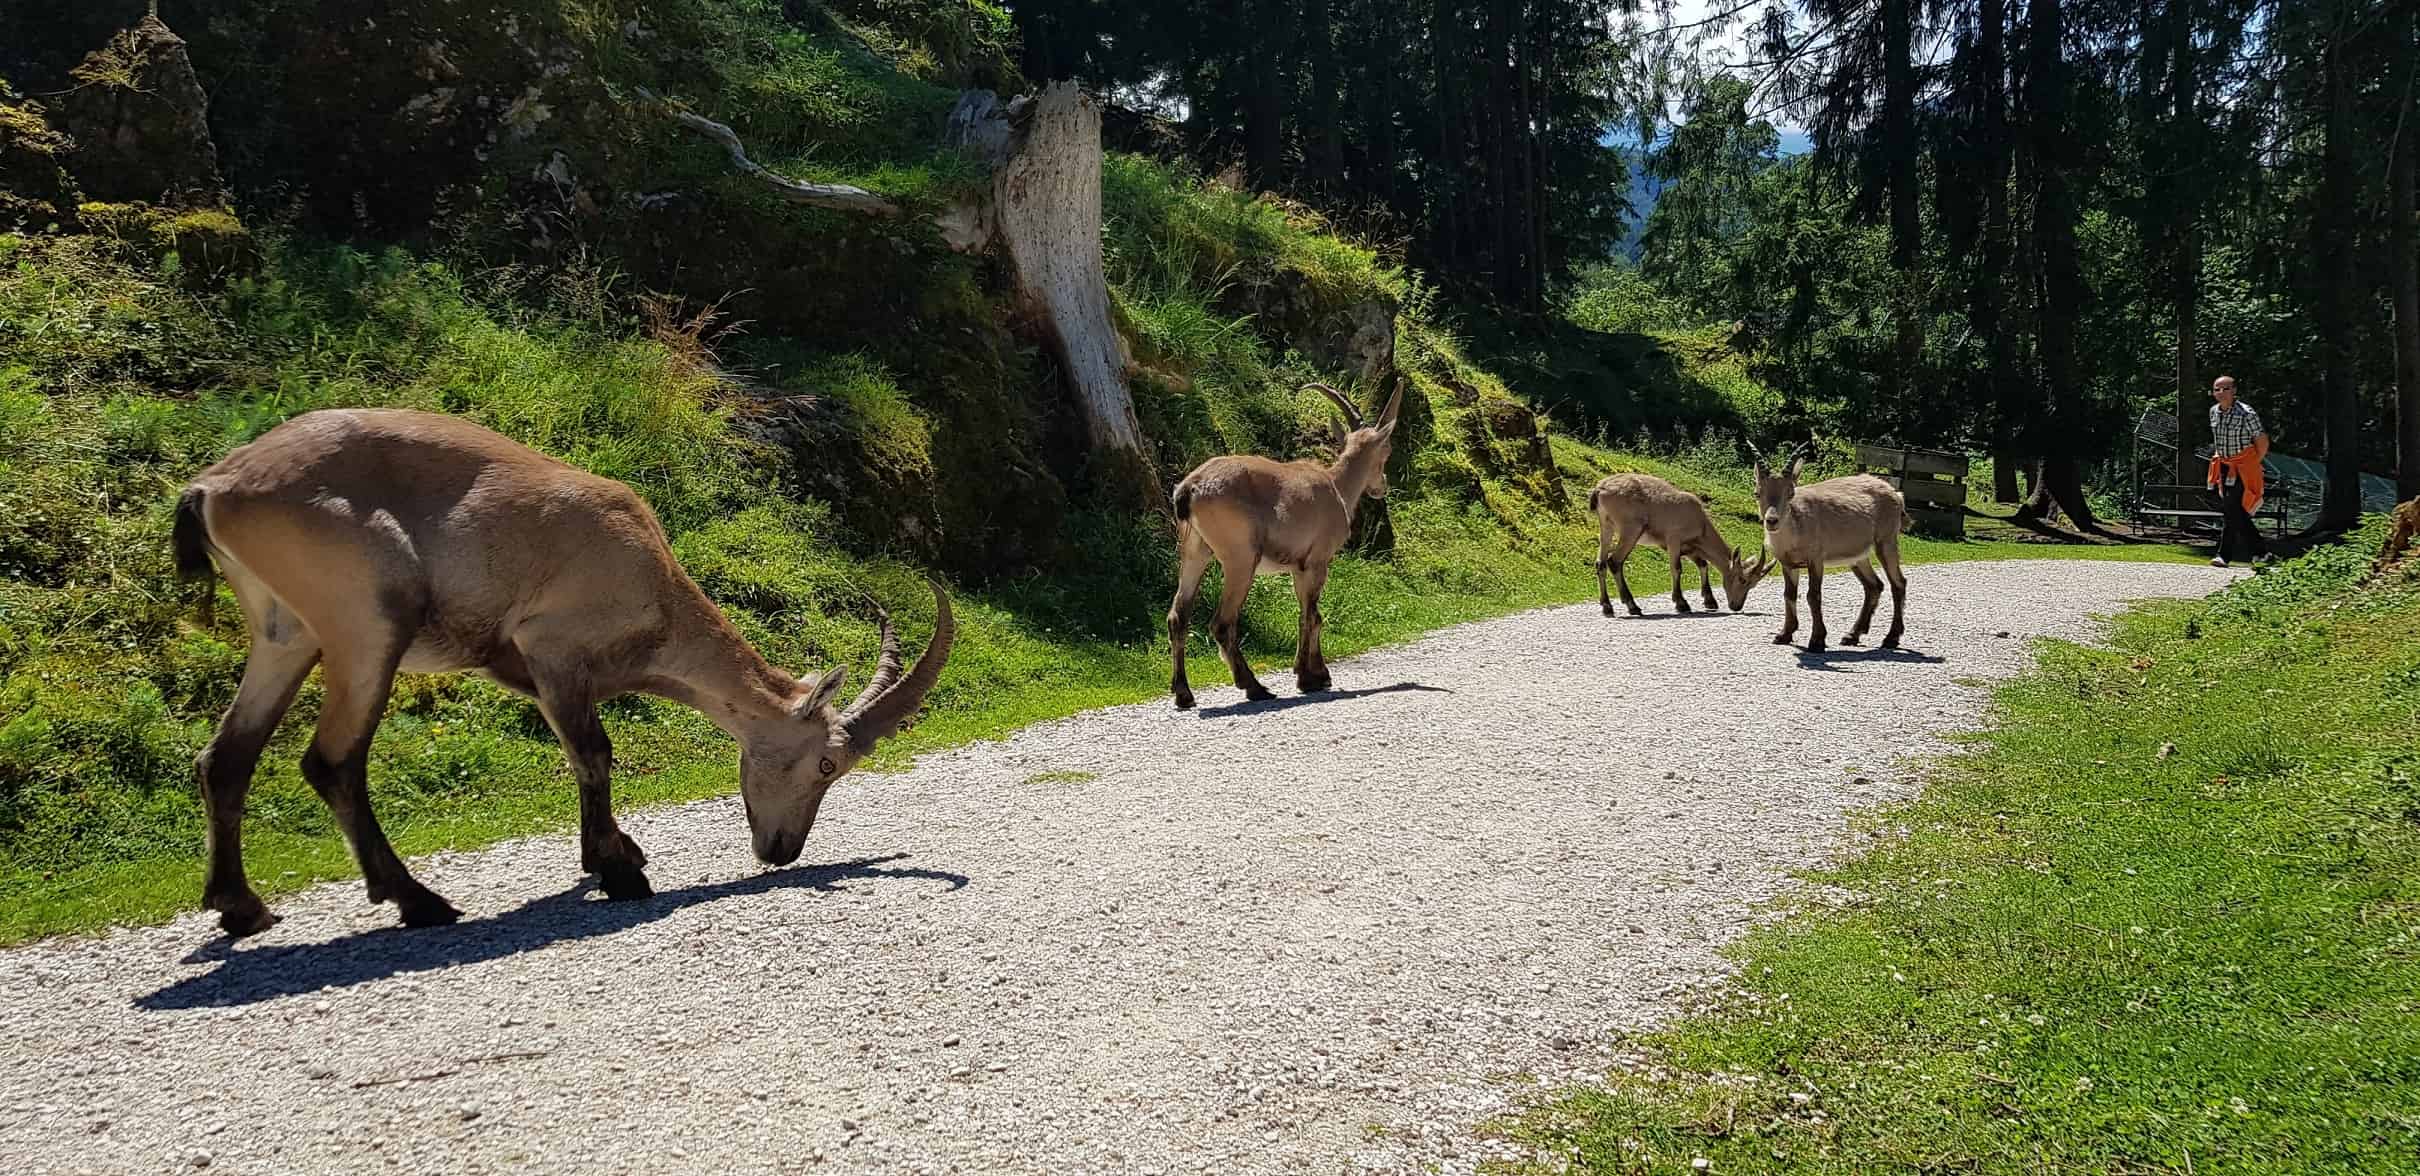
{"x":189,"y":536}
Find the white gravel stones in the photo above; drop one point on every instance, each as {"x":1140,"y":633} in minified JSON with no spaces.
{"x":1306,"y":935}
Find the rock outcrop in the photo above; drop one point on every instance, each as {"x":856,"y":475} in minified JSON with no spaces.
{"x":141,"y":123}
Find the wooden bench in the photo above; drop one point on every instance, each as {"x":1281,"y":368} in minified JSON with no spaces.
{"x":2194,"y":508}
{"x":1932,"y":481}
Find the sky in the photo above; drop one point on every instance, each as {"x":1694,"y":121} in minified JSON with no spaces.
{"x":1794,"y":140}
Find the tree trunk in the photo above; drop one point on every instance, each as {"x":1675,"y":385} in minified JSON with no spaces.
{"x":1989,"y":294}
{"x":1046,"y":208}
{"x":1266,"y":97}
{"x":1899,"y":140}
{"x":2192,"y":416}
{"x":2340,"y":507}
{"x":2404,"y":266}
{"x":2062,"y":295}
{"x":1323,"y":147}
{"x":2004,"y":472}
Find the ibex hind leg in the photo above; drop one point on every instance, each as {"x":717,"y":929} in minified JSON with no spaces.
{"x":1621,"y":555}
{"x":1888,"y":550}
{"x":1228,"y":625}
{"x":1864,"y":571}
{"x":1194,"y":556}
{"x":272,"y":673}
{"x":337,"y":766}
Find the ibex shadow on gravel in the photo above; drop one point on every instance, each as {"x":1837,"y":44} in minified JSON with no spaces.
{"x":1256,"y":515}
{"x":371,"y":541}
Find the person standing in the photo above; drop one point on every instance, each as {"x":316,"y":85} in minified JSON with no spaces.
{"x":2238,"y":444}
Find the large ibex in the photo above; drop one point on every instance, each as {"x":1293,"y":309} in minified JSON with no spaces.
{"x":1852,"y":520}
{"x":1256,"y":515}
{"x":368,"y":541}
{"x":1635,"y":507}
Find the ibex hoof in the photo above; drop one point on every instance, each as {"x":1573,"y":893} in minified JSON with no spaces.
{"x":624,"y":853}
{"x":1184,"y":701}
{"x":1313,"y":685}
{"x":1636,"y":611}
{"x":1258,"y":693}
{"x":427,"y":910}
{"x":1782,"y":638}
{"x":1815,"y":646}
{"x":1682,"y":606}
{"x":623,"y":883}
{"x":1891,"y":642}
{"x":1607,"y":607}
{"x":1851,"y":639}
{"x":242,"y":915}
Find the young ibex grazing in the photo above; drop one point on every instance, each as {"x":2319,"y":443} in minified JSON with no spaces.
{"x":1257,"y":515}
{"x":372,"y":541}
{"x":1853,"y":520}
{"x":1635,"y":507}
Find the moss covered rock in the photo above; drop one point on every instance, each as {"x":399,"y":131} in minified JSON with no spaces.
{"x":142,"y":122}
{"x":36,"y":191}
{"x":201,"y":247}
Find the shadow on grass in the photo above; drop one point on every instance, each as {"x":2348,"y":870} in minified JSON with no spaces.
{"x":1279,"y":704}
{"x":250,"y":976}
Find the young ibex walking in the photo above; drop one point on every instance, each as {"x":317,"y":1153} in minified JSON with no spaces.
{"x":368,"y":541}
{"x":1855,"y":520}
{"x":1635,"y":507}
{"x":1257,"y":515}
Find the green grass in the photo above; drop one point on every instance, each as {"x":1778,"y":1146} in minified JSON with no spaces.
{"x":2163,"y":917}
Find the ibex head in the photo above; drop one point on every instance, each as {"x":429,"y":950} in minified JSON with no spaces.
{"x":1366,"y":445}
{"x":786,"y":766}
{"x":1773,"y":490}
{"x":1741,"y":574}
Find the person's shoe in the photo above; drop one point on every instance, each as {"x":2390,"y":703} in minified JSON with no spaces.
{"x":2218,"y":561}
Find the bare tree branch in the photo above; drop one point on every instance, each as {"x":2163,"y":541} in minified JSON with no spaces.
{"x":840,"y":196}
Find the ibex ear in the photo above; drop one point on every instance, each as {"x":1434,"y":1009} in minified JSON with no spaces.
{"x":819,"y":692}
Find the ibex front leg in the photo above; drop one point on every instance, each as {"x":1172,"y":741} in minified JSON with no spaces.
{"x":1310,"y":665}
{"x":1789,"y":605}
{"x":605,"y":850}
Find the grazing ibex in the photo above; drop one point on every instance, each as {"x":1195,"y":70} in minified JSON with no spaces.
{"x":369,"y":541}
{"x":1257,"y":515}
{"x":1852,"y":520}
{"x":1635,"y":507}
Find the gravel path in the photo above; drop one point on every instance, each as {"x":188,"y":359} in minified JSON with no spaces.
{"x":1307,"y":935}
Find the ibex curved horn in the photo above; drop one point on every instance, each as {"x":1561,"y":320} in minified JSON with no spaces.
{"x":886,"y":666}
{"x":1352,"y":415}
{"x":874,"y":717}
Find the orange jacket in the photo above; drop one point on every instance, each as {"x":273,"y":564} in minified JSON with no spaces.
{"x":2245,"y":465}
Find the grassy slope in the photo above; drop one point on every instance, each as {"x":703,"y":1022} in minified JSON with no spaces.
{"x":118,"y":381}
{"x":2163,"y":918}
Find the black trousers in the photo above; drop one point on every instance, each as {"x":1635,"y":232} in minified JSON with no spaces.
{"x":2240,"y":539}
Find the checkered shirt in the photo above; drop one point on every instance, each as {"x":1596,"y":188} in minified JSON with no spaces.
{"x":2232,"y":431}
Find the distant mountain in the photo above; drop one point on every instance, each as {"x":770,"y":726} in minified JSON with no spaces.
{"x":1645,"y":189}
